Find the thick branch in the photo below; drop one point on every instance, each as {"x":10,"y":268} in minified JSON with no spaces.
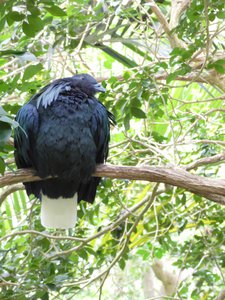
{"x":213,"y":189}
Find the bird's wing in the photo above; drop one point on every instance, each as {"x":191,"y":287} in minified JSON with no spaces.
{"x":100,"y":130}
{"x":50,"y":92}
{"x":25,"y":135}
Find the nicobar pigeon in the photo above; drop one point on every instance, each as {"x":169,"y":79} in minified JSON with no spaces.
{"x":64,"y":132}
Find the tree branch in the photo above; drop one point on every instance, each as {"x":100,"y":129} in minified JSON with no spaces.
{"x":221,"y":295}
{"x":173,"y":39}
{"x":213,"y":189}
{"x":205,"y":161}
{"x":209,"y":77}
{"x":177,"y":8}
{"x":10,"y":190}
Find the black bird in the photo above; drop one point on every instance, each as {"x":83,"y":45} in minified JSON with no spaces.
{"x":64,"y":132}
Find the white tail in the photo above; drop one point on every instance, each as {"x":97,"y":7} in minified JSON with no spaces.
{"x":59,"y":213}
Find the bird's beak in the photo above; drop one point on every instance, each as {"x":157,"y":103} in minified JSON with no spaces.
{"x":99,"y":88}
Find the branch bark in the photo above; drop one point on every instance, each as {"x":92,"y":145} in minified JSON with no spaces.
{"x":213,"y":189}
{"x":221,"y":295}
{"x":10,"y":190}
{"x":177,"y":8}
{"x":173,"y":39}
{"x":205,"y":161}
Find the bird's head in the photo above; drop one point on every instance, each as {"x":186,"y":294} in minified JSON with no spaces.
{"x":88,"y":84}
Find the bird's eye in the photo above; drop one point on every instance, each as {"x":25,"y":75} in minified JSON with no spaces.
{"x":82,"y":78}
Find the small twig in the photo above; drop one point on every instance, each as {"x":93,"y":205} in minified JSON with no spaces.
{"x":108,"y":228}
{"x":34,"y":232}
{"x":174,"y":41}
{"x":6,"y":283}
{"x":125,"y":245}
{"x":10,"y":190}
{"x":205,"y":161}
{"x":178,"y":7}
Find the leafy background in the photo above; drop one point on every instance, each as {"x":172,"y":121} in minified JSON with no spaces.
{"x":166,"y":89}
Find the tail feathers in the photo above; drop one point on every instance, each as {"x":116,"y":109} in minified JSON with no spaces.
{"x":59,"y":213}
{"x":87,"y":191}
{"x":33,"y":188}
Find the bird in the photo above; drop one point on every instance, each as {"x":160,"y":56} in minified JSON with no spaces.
{"x":63,"y":132}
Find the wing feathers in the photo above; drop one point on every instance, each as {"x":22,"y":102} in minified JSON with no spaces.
{"x":51,"y":94}
{"x":25,"y":134}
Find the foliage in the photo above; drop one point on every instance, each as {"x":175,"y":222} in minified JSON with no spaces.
{"x":166,"y":90}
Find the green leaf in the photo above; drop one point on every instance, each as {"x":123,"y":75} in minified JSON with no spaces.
{"x":212,"y":17}
{"x":3,"y":112}
{"x":32,"y":25}
{"x":137,"y":112}
{"x":2,"y":165}
{"x":5,"y":132}
{"x":82,"y":253}
{"x":221,"y":15}
{"x":28,"y":30}
{"x":218,"y":65}
{"x":163,"y":65}
{"x":220,"y":69}
{"x":126,"y":75}
{"x":56,"y":11}
{"x":117,"y":56}
{"x":158,"y":252}
{"x":108,"y":63}
{"x":35,"y":22}
{"x":171,"y":77}
{"x":176,"y":51}
{"x":3,"y":86}
{"x":2,"y":23}
{"x":220,"y":62}
{"x":11,"y":52}
{"x":126,"y":122}
{"x":135,"y":102}
{"x":122,"y":263}
{"x":15,"y":16}
{"x":3,"y":61}
{"x":14,"y":82}
{"x":157,"y":137}
{"x":32,"y":8}
{"x":8,"y":120}
{"x":31,"y":71}
{"x":16,"y":204}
